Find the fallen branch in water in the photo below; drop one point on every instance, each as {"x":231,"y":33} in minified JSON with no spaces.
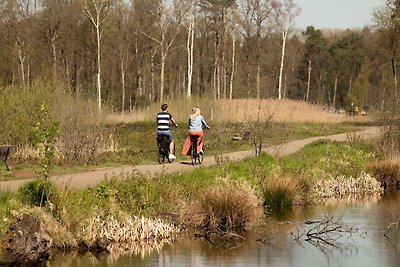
{"x":218,"y":237}
{"x":391,"y":227}
{"x":324,"y":232}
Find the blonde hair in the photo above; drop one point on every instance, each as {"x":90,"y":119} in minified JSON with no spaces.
{"x":195,"y":113}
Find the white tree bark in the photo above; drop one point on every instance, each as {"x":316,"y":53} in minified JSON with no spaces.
{"x":97,"y":11}
{"x":190,"y":48}
{"x":285,"y":13}
{"x":233,"y":68}
{"x":284,"y":36}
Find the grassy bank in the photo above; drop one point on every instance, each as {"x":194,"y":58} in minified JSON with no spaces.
{"x":229,"y":196}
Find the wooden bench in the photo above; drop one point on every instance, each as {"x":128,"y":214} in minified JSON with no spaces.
{"x":245,"y":136}
{"x":4,"y":152}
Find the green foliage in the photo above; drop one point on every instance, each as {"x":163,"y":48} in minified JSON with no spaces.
{"x":8,"y":203}
{"x":38,"y":192}
{"x":17,"y":111}
{"x":324,"y":159}
{"x":45,"y":131}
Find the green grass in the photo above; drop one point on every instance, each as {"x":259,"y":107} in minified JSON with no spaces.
{"x":324,"y":159}
{"x":135,"y":144}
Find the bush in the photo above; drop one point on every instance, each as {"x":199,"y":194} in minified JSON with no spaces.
{"x":227,"y":205}
{"x":281,"y":192}
{"x":38,"y":193}
{"x":80,"y":132}
{"x":387,"y":172}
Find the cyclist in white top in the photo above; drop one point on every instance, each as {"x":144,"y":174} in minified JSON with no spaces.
{"x":196,"y":124}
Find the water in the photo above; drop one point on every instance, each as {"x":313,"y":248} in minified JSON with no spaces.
{"x":367,"y":247}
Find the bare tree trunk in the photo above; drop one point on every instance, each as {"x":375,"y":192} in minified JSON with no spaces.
{"x":350,"y":82}
{"x":223,"y":52}
{"x":190,"y":47}
{"x":394,"y":70}
{"x":248,"y":75}
{"x":152,"y":79}
{"x":335,"y":91}
{"x":21,"y":57}
{"x":216,"y":69}
{"x":284,"y":36}
{"x":258,"y":78}
{"x":97,"y":17}
{"x":122,"y":84}
{"x":54,"y":53}
{"x":309,"y":78}
{"x":233,"y":68}
{"x":98,"y":67}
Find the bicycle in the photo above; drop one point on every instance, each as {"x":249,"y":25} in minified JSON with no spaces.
{"x":195,"y":157}
{"x":163,"y":149}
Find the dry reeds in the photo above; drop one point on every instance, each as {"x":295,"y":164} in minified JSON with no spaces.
{"x":225,"y":206}
{"x":243,"y":110}
{"x":387,"y":172}
{"x":115,"y":233}
{"x":341,"y":187}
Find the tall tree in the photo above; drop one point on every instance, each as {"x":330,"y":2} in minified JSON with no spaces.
{"x":314,"y":46}
{"x":97,"y":11}
{"x":285,"y":13}
{"x":388,"y":24}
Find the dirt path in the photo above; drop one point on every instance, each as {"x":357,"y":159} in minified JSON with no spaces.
{"x":91,"y":178}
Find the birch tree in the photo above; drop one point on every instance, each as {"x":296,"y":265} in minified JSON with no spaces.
{"x":97,"y":11}
{"x":190,"y":46}
{"x":285,"y":13}
{"x":168,"y":24}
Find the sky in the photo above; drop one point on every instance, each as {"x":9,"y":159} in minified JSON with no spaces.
{"x":338,"y":14}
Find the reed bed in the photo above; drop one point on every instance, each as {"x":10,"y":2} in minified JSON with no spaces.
{"x":243,"y":110}
{"x":342,"y":187}
{"x":129,"y":231}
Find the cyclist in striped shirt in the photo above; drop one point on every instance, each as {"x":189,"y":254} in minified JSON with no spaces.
{"x":163,"y":119}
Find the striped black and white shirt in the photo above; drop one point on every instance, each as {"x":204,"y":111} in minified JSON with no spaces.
{"x":163,"y":119}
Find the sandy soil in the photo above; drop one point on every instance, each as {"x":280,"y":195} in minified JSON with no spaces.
{"x":91,"y":178}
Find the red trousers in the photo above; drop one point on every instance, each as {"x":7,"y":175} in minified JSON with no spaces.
{"x":186,"y":146}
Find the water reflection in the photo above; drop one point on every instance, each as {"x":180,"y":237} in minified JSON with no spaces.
{"x":368,"y":247}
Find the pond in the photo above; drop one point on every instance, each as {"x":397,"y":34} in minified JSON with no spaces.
{"x":356,"y":237}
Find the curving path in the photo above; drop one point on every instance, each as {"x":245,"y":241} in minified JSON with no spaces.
{"x":91,"y":178}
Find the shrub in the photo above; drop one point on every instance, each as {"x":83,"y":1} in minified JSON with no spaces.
{"x":387,"y":172}
{"x":38,"y":192}
{"x":280,"y":192}
{"x":80,"y":133}
{"x":226,"y":205}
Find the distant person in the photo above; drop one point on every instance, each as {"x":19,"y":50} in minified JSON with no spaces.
{"x":163,"y":119}
{"x":196,"y":124}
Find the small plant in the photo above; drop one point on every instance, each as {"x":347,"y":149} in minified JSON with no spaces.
{"x":37,"y":192}
{"x":280,"y":192}
{"x":45,"y":131}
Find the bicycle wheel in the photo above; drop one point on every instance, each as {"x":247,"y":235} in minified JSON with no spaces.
{"x":200,"y":157}
{"x":161,"y":156}
{"x":193,"y":154}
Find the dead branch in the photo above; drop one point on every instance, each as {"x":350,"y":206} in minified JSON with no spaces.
{"x":323,"y":232}
{"x":221,"y":238}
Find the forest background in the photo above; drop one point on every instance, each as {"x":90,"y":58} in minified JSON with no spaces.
{"x":128,"y":54}
{"x":65,"y":62}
